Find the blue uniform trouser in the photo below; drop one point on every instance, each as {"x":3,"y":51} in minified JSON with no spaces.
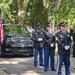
{"x":66,"y":60}
{"x":49,"y":55}
{"x":40,"y":51}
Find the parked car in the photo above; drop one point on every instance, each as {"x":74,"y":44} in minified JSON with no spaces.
{"x":17,"y":40}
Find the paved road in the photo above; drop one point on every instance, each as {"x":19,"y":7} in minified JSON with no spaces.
{"x":24,"y":66}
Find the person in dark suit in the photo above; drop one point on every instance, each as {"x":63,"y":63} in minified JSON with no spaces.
{"x":72,"y":33}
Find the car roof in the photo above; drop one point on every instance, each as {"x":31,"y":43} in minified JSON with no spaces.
{"x":17,"y":25}
{"x":11,"y":24}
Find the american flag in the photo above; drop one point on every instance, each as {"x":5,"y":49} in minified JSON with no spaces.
{"x":1,"y":33}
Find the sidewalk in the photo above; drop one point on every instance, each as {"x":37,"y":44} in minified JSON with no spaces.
{"x":2,"y":72}
{"x":35,"y":71}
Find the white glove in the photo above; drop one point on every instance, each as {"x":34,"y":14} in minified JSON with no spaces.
{"x":40,"y":39}
{"x":67,"y":47}
{"x":51,"y":45}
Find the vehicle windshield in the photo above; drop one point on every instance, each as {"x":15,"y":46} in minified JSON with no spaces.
{"x":13,"y":30}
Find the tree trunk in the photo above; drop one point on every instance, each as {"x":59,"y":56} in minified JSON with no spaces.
{"x":56,"y":5}
{"x":18,"y":10}
{"x":21,"y":11}
{"x":54,"y":8}
{"x":51,"y":20}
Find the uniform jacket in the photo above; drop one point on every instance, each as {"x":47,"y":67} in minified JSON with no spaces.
{"x":62,"y":40}
{"x":49,"y":38}
{"x":38,"y":34}
{"x":73,"y":35}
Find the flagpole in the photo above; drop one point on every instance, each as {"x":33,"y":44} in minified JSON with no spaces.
{"x":1,"y":29}
{"x":0,"y":14}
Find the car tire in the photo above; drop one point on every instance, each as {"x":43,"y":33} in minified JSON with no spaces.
{"x":31,"y":55}
{"x":2,"y":51}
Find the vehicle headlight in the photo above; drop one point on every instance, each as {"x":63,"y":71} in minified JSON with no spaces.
{"x":12,"y":39}
{"x":8,"y":40}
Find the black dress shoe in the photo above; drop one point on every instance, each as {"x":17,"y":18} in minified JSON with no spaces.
{"x":41,"y":65}
{"x":35,"y":65}
{"x":45,"y":70}
{"x":53,"y":69}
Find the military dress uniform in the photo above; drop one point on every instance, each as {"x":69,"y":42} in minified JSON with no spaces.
{"x":72,"y":32}
{"x":49,"y":51}
{"x":64,"y":43}
{"x":49,"y":48}
{"x":38,"y":38}
{"x":73,"y":35}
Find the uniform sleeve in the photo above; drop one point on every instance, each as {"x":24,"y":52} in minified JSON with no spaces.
{"x":54,"y":39}
{"x":51,"y":40}
{"x":70,"y":41}
{"x":33,"y":36}
{"x":58,"y":40}
{"x":45,"y":37}
{"x":73,"y":35}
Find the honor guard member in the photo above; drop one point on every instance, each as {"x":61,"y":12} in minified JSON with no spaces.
{"x":64,"y":43}
{"x":49,"y":49}
{"x":38,"y":38}
{"x":72,"y":32}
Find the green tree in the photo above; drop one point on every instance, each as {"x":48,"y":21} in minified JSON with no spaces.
{"x":28,"y":12}
{"x":14,"y":10}
{"x":66,"y":13}
{"x":21,"y":10}
{"x":37,"y":13}
{"x":51,"y":7}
